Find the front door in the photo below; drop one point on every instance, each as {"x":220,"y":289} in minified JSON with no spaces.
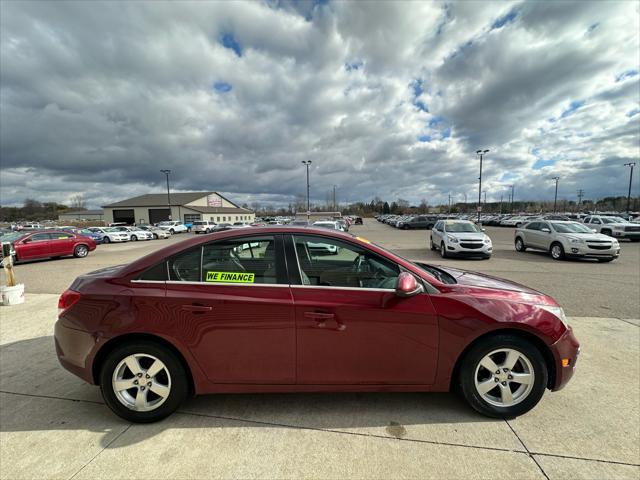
{"x":351,"y":327}
{"x":35,"y":246}
{"x":234,"y":306}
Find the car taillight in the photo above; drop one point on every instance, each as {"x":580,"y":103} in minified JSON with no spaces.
{"x":67,"y":300}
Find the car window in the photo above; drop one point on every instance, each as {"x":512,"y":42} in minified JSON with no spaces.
{"x":156,"y":273}
{"x":533,"y":226}
{"x":61,"y":236}
{"x":334,"y":263}
{"x":185,"y":267}
{"x":595,"y":221}
{"x":240,"y":260}
{"x":39,"y":237}
{"x":544,"y":225}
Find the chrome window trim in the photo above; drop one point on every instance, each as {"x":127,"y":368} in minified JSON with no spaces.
{"x":148,"y":281}
{"x":228,"y":284}
{"x":355,"y":289}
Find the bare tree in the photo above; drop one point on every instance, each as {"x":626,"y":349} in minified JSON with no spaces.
{"x":78,"y":202}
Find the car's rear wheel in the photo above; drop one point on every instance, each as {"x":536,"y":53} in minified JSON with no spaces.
{"x":143,"y":382}
{"x":134,"y":238}
{"x":172,"y":231}
{"x":443,"y":250}
{"x":503,"y":376}
{"x":520,"y":247}
{"x":80,"y":251}
{"x":557,"y":251}
{"x":155,"y":236}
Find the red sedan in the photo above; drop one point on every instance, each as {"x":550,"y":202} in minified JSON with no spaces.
{"x":264,"y":310}
{"x":48,"y":244}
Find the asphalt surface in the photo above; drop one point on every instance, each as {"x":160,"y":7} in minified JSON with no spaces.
{"x":582,"y":287}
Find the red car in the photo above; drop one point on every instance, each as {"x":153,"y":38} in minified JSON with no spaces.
{"x":47,"y":244}
{"x":258,"y":310}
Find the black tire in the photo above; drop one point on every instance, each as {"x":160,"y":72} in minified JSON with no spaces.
{"x":172,"y":231}
{"x":520,"y":246}
{"x":405,"y":227}
{"x":486,"y":257}
{"x":155,"y":236}
{"x":443,"y":250}
{"x":80,"y":251}
{"x":106,"y":239}
{"x":134,"y":238}
{"x":473,"y":357}
{"x":179,"y":384}
{"x":431,"y":245}
{"x":561,"y":255}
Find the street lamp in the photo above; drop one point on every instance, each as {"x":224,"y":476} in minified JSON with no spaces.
{"x":307,"y":163}
{"x":631,"y":165}
{"x":481,"y":153}
{"x":167,"y":172}
{"x":555,"y":198}
{"x":512,"y":195}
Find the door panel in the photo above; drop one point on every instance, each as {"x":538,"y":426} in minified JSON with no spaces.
{"x":61,"y":244}
{"x":238,"y":334}
{"x":356,"y":336}
{"x":37,"y":246}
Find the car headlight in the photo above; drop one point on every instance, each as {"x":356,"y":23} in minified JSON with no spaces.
{"x":558,"y":312}
{"x":487,"y":240}
{"x":576,"y":240}
{"x":452,"y":239}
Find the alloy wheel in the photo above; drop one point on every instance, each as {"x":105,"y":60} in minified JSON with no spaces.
{"x":141,"y":382}
{"x":82,"y":251}
{"x":556,"y":252}
{"x":504,"y":377}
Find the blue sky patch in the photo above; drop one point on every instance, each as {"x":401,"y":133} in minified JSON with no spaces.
{"x":229,"y":41}
{"x":573,"y":106}
{"x":633,"y":112}
{"x":507,"y":176}
{"x":541,"y":163}
{"x":424,"y":138}
{"x":626,"y":74}
{"x":593,"y":26}
{"x":222,"y":87}
{"x":504,"y":20}
{"x":356,"y":65}
{"x":446,"y":133}
{"x":436,"y":120}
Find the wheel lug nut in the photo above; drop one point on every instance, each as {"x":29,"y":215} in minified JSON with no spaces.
{"x":147,"y":376}
{"x":135,"y":382}
{"x":510,"y":377}
{"x":497,"y":372}
{"x":149,"y":384}
{"x":141,"y":388}
{"x":504,"y":384}
{"x":139,"y":375}
{"x":496,"y":379}
{"x":505,"y":369}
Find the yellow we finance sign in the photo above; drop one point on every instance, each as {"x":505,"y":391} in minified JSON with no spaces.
{"x":230,"y":277}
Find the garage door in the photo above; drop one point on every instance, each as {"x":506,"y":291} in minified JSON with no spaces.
{"x":158,"y":215}
{"x":125,"y":216}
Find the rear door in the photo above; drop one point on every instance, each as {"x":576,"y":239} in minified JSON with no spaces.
{"x":231,"y":297}
{"x":531,"y":234}
{"x":351,"y":327}
{"x":61,"y":244}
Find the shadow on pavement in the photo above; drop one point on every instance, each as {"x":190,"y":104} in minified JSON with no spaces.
{"x":32,"y":377}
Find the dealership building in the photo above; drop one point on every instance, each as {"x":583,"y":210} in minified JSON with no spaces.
{"x":185,"y":207}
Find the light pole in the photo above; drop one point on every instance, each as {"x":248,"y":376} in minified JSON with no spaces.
{"x":631,"y":165}
{"x":481,"y":153}
{"x":555,"y":198}
{"x":335,"y":206}
{"x":484,"y":194}
{"x":307,"y":163}
{"x":465,"y":202}
{"x":167,"y":172}
{"x":512,"y":195}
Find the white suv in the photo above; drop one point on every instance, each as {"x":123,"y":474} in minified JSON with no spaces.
{"x":173,"y":227}
{"x":203,"y":226}
{"x":460,"y":237}
{"x":613,"y":226}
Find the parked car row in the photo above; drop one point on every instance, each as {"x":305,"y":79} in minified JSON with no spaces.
{"x":407,"y":222}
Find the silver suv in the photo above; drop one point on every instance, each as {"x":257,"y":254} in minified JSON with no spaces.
{"x":566,"y":239}
{"x":203,"y":226}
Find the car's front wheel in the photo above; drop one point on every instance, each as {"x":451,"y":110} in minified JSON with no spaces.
{"x":106,"y":240}
{"x":443,"y":250}
{"x":557,"y":251}
{"x":134,"y":238}
{"x":143,"y":382}
{"x":172,"y":231}
{"x":503,"y":376}
{"x":520,"y":247}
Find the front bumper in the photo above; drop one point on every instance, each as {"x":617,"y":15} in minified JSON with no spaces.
{"x":582,"y":250}
{"x":457,"y":249}
{"x":627,"y":235}
{"x":567,"y":348}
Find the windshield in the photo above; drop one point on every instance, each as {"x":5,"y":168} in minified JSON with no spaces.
{"x":613,"y":220}
{"x":111,"y":229}
{"x":439,"y":274}
{"x":572,"y":227}
{"x":460,"y":227}
{"x":11,"y":237}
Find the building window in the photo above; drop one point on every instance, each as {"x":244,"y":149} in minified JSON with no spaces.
{"x":189,"y":217}
{"x":217,"y":219}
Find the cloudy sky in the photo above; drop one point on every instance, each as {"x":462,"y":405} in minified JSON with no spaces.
{"x":386,"y":98}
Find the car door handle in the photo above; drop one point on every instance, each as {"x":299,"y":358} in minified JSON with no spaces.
{"x":319,"y":316}
{"x":196,"y":308}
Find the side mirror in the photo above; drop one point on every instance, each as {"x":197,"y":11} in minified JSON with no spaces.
{"x":594,"y":230}
{"x":546,"y":230}
{"x":407,"y":285}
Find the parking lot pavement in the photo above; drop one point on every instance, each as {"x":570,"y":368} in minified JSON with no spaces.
{"x":53,"y":425}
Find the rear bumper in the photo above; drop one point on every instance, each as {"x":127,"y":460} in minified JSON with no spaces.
{"x":567,"y":347}
{"x":75,"y":349}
